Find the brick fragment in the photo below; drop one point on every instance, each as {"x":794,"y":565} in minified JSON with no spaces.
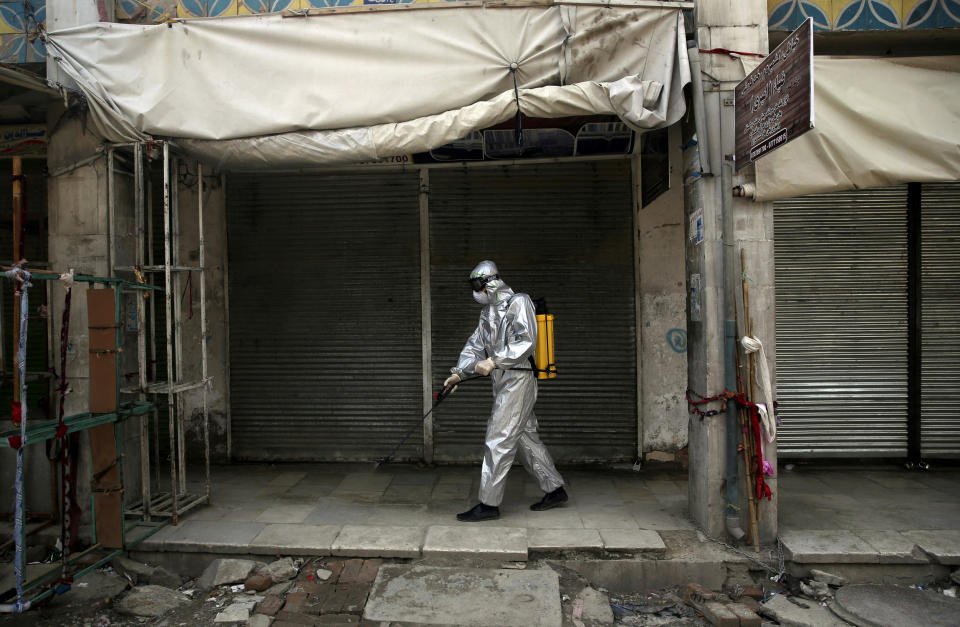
{"x":351,"y":571}
{"x":369,"y":570}
{"x":718,"y":615}
{"x":270,"y":605}
{"x":257,"y":582}
{"x":754,"y":592}
{"x":745,"y":615}
{"x":346,"y":599}
{"x":295,"y":602}
{"x":295,"y":618}
{"x":696,"y":596}
{"x":751,"y":604}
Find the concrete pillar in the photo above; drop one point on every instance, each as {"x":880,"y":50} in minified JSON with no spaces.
{"x":662,"y":323}
{"x":738,"y":26}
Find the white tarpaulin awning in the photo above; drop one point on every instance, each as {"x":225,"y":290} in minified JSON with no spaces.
{"x":879,"y":122}
{"x":360,"y":85}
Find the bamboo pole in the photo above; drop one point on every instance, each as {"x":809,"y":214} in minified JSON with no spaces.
{"x":17,"y":245}
{"x":745,"y":422}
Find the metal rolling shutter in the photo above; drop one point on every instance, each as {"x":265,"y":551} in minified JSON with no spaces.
{"x":841,"y":272}
{"x":325,"y":346}
{"x":940,"y":284}
{"x":559,"y":231}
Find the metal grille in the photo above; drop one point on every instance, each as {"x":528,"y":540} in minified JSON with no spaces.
{"x":841,"y":276}
{"x":563,"y":232}
{"x":325,"y":346}
{"x":940,"y":284}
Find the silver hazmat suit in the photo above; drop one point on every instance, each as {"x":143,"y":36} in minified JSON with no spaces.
{"x":507,"y":333}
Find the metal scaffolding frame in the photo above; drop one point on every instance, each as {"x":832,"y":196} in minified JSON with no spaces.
{"x":177,"y":500}
{"x":56,"y":578}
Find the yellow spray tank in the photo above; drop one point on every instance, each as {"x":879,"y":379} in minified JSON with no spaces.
{"x":545,"y":358}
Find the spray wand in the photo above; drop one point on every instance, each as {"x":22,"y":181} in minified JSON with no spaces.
{"x":438,"y":398}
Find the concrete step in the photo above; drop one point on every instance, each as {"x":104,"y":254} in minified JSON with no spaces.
{"x":464,"y":541}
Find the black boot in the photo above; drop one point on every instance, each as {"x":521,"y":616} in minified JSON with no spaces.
{"x":551,"y":500}
{"x":480,"y":512}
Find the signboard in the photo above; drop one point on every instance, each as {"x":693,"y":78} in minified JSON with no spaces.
{"x":774,"y":103}
{"x":23,"y":140}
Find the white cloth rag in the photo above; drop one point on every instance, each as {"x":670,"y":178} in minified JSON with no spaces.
{"x":762,"y":377}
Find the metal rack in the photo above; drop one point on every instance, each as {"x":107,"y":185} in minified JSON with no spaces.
{"x":56,"y":578}
{"x":175,"y":501}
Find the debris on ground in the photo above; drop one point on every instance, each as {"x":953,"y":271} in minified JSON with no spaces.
{"x":150,"y":601}
{"x":280,"y":570}
{"x":226,"y":571}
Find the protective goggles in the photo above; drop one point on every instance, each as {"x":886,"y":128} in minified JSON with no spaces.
{"x":478,"y":283}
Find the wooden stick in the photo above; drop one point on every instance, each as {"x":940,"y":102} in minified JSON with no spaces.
{"x":748,"y":443}
{"x":17,"y":227}
{"x":744,"y":421}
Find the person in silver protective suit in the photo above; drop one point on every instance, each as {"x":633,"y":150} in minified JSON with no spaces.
{"x":501,"y":345}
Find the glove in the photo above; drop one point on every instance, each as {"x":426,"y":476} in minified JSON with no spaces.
{"x":453,"y":380}
{"x":485,"y":367}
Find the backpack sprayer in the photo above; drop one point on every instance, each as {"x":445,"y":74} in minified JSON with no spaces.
{"x":541,"y":363}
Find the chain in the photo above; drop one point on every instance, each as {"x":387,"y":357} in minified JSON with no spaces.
{"x":777,"y":572}
{"x":694,"y":400}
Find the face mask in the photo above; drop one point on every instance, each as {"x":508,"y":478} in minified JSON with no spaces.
{"x":482,"y":297}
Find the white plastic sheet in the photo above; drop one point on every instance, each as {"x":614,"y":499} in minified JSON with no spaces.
{"x":879,"y":122}
{"x":359,"y":86}
{"x":304,"y":148}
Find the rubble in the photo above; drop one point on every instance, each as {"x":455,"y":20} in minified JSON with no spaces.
{"x":828,"y":578}
{"x":323,"y":574}
{"x":279,"y":588}
{"x":816,"y":590}
{"x":592,"y":609}
{"x":280,"y":570}
{"x":226,"y":571}
{"x":150,"y":601}
{"x":258,"y":582}
{"x":259,"y":620}
{"x":799,"y":613}
{"x":163,"y":577}
{"x":131,"y":569}
{"x":235,"y":613}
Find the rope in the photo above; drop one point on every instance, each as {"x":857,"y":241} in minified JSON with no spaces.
{"x":730,"y":52}
{"x":695,"y":400}
{"x":518,"y":122}
{"x":65,"y":477}
{"x":188,"y":286}
{"x":778,"y":572}
{"x":18,"y":442}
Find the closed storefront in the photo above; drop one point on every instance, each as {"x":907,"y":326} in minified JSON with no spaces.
{"x":940,"y":314}
{"x":851,"y":296}
{"x":327,"y":337}
{"x":324,"y":276}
